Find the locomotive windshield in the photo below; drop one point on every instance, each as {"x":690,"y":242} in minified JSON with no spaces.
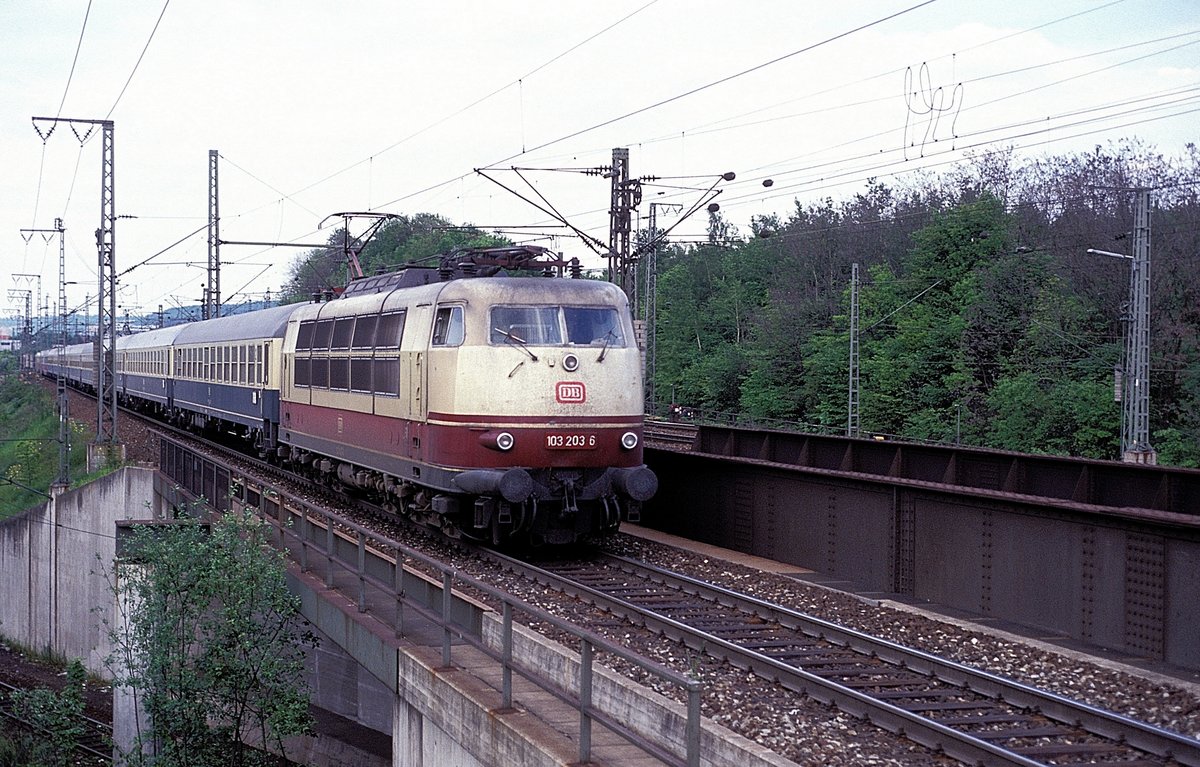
{"x":549,"y":325}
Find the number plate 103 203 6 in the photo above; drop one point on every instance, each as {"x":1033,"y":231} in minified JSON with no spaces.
{"x":570,"y":441}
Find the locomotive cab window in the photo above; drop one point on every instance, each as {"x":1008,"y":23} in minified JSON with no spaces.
{"x":536,"y":325}
{"x":448,"y":326}
{"x":593,"y":326}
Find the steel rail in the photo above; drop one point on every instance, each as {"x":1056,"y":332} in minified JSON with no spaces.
{"x":927,"y":731}
{"x":94,"y":730}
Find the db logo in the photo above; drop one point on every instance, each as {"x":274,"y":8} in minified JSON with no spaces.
{"x":570,"y":392}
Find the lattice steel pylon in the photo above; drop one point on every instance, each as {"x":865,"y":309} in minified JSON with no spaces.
{"x":212,"y":293}
{"x":106,"y":276}
{"x":1135,"y":421}
{"x":852,"y":419}
{"x":626,"y":195}
{"x":106,"y":315}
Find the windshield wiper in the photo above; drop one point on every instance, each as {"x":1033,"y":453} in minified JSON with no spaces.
{"x":609,"y":336}
{"x":520,"y":343}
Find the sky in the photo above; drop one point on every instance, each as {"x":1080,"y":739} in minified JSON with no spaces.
{"x":388,"y":106}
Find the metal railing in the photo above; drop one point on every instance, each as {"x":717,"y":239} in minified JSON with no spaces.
{"x":316,"y":536}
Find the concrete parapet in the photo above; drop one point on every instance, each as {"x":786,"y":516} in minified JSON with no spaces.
{"x":658,"y":719}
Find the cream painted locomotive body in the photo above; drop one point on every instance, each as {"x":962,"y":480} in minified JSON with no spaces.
{"x":502,"y":408}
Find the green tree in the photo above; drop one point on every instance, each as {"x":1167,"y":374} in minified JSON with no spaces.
{"x":210,"y":642}
{"x":402,"y":240}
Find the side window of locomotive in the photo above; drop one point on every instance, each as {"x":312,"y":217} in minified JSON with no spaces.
{"x":322,"y":334}
{"x":304,"y":335}
{"x":588,"y":325}
{"x":320,"y":372}
{"x":364,"y":332}
{"x":339,"y":373}
{"x":448,"y":326}
{"x":343,"y":331}
{"x":525,"y":325}
{"x":360,"y":374}
{"x":390,"y":331}
{"x":303,"y":375}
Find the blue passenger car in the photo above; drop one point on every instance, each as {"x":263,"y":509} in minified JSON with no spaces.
{"x":143,"y":368}
{"x":226,"y":372}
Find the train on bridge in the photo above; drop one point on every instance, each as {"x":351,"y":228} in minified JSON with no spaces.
{"x":503,"y":408}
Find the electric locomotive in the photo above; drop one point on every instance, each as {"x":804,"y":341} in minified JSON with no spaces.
{"x":502,"y":408}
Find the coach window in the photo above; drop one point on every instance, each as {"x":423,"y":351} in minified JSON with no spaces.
{"x":343,"y":331}
{"x":448,"y":326}
{"x":364,"y":331}
{"x":264,"y":370}
{"x":205,"y":369}
{"x":322,"y":335}
{"x":242,"y":364}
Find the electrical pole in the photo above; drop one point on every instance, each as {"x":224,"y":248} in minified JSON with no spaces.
{"x":1135,"y":384}
{"x":106,"y":447}
{"x":26,"y":297}
{"x":63,"y":480}
{"x":1135,"y":429}
{"x":212,"y":294}
{"x":625,"y":197}
{"x":852,"y":421}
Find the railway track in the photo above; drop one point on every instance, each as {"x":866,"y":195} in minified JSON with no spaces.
{"x":676,"y":435}
{"x":93,"y":745}
{"x":970,"y":715}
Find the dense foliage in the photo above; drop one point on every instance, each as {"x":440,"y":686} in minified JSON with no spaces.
{"x":982,"y":317}
{"x":29,"y":447}
{"x":210,"y":641}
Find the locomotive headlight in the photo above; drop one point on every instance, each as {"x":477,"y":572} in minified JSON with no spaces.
{"x":497,"y":440}
{"x":570,"y":363}
{"x":629,"y":440}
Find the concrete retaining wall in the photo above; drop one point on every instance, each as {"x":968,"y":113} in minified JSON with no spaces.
{"x":55,"y":559}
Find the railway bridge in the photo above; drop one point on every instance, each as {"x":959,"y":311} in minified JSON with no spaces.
{"x":412,"y":671}
{"x":1081,"y":551}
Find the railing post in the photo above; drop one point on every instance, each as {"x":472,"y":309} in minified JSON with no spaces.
{"x":585,"y":701}
{"x":362,"y":572}
{"x":304,"y":539}
{"x":328,"y":553}
{"x":398,"y":583}
{"x":507,"y":644}
{"x":693,"y":723}
{"x":446,"y":584}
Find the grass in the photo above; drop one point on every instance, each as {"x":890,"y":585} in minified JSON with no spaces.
{"x":29,"y":441}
